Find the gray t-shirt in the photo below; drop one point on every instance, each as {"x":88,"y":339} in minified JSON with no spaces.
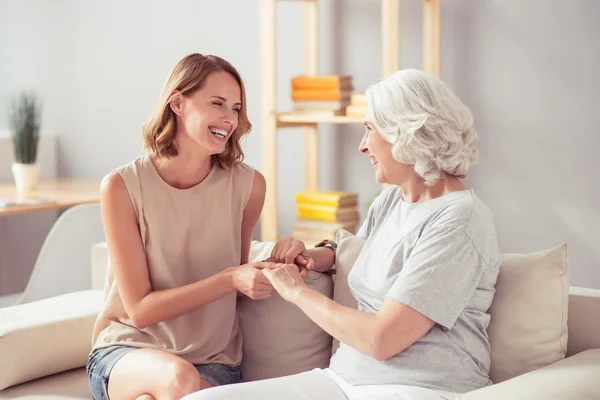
{"x":441,"y":258}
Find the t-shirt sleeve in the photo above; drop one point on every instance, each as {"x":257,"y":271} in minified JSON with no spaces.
{"x":440,"y":275}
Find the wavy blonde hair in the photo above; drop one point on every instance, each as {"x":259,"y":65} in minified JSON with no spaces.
{"x":189,"y":75}
{"x":428,"y":126}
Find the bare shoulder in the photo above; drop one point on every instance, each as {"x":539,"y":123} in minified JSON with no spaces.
{"x":114,"y":194}
{"x":112,"y":186}
{"x":260,"y":183}
{"x":257,"y":196}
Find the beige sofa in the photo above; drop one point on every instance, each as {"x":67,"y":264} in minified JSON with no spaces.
{"x":49,"y":339}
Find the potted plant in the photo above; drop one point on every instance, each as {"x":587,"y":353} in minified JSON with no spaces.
{"x":24,"y":119}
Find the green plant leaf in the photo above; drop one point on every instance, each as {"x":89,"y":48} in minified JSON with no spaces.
{"x":24,"y":119}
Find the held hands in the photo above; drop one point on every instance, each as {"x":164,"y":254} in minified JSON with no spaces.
{"x":249,"y":280}
{"x":286,"y":279}
{"x":292,"y":251}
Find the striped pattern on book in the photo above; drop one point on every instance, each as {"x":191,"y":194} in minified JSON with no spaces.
{"x":357,"y":106}
{"x":326,"y":95}
{"x":322,"y":213}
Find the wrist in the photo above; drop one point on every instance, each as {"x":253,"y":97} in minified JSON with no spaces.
{"x":228,"y":277}
{"x":323,"y":257}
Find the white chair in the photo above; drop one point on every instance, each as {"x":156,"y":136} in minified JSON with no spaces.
{"x":64,"y":263}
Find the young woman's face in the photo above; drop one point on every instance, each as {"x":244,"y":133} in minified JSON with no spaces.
{"x":210,"y":115}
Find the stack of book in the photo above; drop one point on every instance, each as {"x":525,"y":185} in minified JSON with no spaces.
{"x":326,"y":95}
{"x":357,"y":106}
{"x":322,"y":213}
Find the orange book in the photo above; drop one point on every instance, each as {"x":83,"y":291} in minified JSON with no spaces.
{"x":322,"y":82}
{"x":320,"y":94}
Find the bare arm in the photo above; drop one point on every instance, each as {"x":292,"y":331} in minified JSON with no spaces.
{"x":380,"y":335}
{"x":252,"y":213}
{"x":128,"y":262}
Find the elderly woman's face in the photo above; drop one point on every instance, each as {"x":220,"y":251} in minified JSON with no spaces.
{"x":379,"y":151}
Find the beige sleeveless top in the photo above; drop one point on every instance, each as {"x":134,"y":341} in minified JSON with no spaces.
{"x":188,"y":235}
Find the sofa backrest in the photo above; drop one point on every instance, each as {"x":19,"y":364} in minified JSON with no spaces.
{"x":583,"y":304}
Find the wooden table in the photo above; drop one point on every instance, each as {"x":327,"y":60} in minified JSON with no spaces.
{"x":62,"y":193}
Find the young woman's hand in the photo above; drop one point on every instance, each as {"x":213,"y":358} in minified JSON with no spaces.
{"x":292,"y":251}
{"x":250,"y":281}
{"x":286,"y":279}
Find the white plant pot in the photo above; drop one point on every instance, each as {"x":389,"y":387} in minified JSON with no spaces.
{"x":26,"y":177}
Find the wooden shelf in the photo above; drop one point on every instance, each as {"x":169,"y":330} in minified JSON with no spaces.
{"x":271,"y":120}
{"x":291,"y":119}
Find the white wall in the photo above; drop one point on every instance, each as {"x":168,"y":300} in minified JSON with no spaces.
{"x":533,"y":84}
{"x":526,"y":69}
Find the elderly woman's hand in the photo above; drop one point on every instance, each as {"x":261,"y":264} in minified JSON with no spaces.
{"x":286,"y":279}
{"x":292,"y":251}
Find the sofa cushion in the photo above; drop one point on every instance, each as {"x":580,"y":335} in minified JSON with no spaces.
{"x":47,"y":336}
{"x":349,"y":247}
{"x":279,"y":339}
{"x":528,"y":328}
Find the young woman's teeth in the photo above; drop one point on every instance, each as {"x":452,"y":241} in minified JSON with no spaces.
{"x":219,"y":132}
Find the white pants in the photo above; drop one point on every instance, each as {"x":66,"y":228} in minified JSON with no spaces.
{"x":317,"y":384}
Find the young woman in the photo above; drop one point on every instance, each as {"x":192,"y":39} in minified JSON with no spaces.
{"x":178,"y":223}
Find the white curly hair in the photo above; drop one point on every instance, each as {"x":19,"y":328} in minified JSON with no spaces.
{"x":428,"y":126}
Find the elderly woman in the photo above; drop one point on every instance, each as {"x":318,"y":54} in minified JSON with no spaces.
{"x":424,"y":280}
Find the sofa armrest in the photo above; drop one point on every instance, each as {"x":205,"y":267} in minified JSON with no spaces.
{"x":47,"y":336}
{"x":584,"y":307}
{"x":574,"y":377}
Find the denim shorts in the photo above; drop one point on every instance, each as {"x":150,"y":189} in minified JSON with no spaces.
{"x":102,"y":361}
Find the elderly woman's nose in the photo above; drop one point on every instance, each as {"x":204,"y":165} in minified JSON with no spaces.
{"x":362,"y":147}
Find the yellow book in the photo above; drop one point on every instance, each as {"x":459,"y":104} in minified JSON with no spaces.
{"x":326,"y":213}
{"x":330,"y":198}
